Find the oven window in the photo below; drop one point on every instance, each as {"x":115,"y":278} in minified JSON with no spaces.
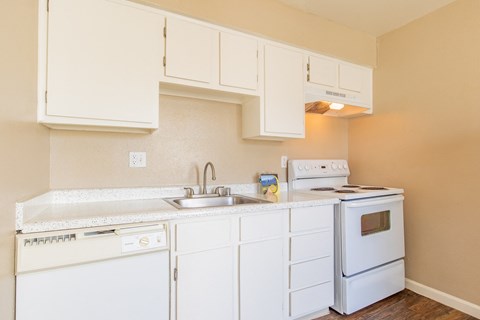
{"x":375,"y":222}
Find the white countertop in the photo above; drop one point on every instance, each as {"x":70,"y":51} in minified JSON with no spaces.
{"x":72,"y":209}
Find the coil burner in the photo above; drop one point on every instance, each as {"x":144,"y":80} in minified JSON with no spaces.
{"x":345,"y":191}
{"x":323,"y":189}
{"x":373,"y":188}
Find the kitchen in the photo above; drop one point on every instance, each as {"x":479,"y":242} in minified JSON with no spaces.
{"x":413,"y":140}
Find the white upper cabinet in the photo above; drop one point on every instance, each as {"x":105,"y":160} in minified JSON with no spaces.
{"x":333,"y":80}
{"x":206,"y":62}
{"x":323,"y":71}
{"x":278,"y":113}
{"x":353,"y":78}
{"x":103,"y":66}
{"x":284,"y":95}
{"x":191,"y":51}
{"x":238,"y":61}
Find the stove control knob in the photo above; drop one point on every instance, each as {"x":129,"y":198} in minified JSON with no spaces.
{"x":345,"y":166}
{"x":334,"y":166}
{"x":307,"y":168}
{"x":300,"y":168}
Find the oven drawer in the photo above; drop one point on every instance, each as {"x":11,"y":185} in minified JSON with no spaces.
{"x":311,"y":218}
{"x":311,"y":299}
{"x":311,"y":273}
{"x":311,"y":246}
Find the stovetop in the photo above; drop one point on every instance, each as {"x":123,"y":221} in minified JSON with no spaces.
{"x":330,"y":178}
{"x":349,"y":192}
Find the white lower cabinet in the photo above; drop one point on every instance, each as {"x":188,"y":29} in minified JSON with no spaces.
{"x":203,"y":271}
{"x":311,"y":261}
{"x":261,"y":261}
{"x":204,"y":285}
{"x":268,"y":266}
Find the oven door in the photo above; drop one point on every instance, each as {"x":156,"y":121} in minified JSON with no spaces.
{"x":372,"y":233}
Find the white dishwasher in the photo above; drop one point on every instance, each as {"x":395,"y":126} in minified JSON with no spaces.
{"x":96,"y":274}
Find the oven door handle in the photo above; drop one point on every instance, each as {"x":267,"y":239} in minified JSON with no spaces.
{"x":378,"y":201}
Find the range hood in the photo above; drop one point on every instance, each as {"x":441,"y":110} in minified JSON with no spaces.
{"x":334,"y":103}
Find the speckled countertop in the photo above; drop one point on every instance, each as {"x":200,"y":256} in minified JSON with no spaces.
{"x":71,"y":209}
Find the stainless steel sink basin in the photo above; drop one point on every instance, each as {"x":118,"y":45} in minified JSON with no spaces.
{"x":212,"y":201}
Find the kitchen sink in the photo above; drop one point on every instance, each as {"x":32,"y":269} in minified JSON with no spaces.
{"x":211,"y":201}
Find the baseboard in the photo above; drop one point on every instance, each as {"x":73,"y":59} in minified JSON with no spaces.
{"x":444,"y":298}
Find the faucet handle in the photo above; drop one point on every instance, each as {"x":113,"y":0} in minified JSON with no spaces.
{"x":218,"y":190}
{"x":228,"y":191}
{"x":189,"y":192}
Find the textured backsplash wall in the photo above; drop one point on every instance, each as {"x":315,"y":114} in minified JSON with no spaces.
{"x":191,"y":133}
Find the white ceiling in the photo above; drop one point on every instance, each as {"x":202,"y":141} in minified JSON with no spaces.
{"x":375,"y":17}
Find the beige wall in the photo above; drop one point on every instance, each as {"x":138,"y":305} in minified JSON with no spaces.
{"x":24,"y":168}
{"x":275,"y":20}
{"x":192,"y":132}
{"x":425,"y":136}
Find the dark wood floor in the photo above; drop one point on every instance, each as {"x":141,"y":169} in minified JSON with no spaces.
{"x":403,"y":305}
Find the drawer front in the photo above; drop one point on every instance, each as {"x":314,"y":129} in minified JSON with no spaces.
{"x":311,"y":299}
{"x":268,"y":225}
{"x":311,"y":273}
{"x":311,"y":246}
{"x":203,"y":235}
{"x":311,"y":218}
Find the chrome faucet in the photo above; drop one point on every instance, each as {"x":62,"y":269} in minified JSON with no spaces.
{"x":204,"y":190}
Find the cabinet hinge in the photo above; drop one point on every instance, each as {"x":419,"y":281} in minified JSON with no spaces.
{"x":164,"y":32}
{"x":308,"y":71}
{"x":45,"y":96}
{"x":164,"y":61}
{"x":175,"y":274}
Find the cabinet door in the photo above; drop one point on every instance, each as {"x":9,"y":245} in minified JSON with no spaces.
{"x":191,"y":51}
{"x":284,"y":96}
{"x":104,"y":61}
{"x":261,"y":280}
{"x":352,"y":78}
{"x":205,"y":285}
{"x":238,"y":61}
{"x":323,"y":71}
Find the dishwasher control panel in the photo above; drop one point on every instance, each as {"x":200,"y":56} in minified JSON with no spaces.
{"x":54,"y":249}
{"x":144,"y":241}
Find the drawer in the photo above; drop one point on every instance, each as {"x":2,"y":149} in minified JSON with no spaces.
{"x":262,"y":226}
{"x":203,"y":235}
{"x":311,"y":218}
{"x":311,"y":299}
{"x":311,"y":246}
{"x":310,"y":273}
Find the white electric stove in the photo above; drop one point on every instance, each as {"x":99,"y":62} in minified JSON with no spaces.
{"x":369,"y":238}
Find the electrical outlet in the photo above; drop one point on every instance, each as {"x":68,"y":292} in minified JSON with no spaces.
{"x":138,"y":159}
{"x":283,"y":161}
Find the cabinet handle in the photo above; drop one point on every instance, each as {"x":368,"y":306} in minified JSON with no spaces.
{"x":175,"y":274}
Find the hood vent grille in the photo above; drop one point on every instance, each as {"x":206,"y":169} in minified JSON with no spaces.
{"x":336,"y":94}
